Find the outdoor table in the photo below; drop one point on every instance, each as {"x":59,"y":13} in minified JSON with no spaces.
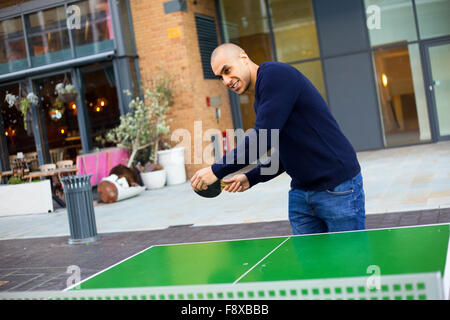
{"x":50,"y":173}
{"x":5,"y":174}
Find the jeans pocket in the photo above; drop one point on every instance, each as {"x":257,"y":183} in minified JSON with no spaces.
{"x":340,"y":193}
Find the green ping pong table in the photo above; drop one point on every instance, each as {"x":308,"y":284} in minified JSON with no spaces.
{"x":410,"y":263}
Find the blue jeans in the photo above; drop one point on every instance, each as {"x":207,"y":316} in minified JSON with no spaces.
{"x":340,"y":209}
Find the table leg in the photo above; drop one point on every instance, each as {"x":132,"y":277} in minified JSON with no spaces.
{"x":59,"y":201}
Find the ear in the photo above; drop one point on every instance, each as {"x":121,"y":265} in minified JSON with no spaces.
{"x":244,"y":57}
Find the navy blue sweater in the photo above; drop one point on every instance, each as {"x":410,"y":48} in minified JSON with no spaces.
{"x":312,"y":148}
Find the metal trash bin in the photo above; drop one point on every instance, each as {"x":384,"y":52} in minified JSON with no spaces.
{"x":80,"y":208}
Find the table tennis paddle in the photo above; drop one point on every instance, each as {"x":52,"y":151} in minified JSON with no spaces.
{"x":213,"y":189}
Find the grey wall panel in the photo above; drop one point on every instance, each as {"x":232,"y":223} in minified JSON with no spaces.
{"x":353,"y":101}
{"x":341,"y":26}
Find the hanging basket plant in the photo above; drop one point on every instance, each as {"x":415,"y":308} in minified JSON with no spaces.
{"x":25,"y":104}
{"x":57,"y":109}
{"x":66,"y":92}
{"x":12,"y":100}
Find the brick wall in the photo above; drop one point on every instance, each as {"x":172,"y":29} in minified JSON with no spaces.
{"x":180,"y":56}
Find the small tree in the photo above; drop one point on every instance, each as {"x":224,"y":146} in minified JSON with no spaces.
{"x":146,"y":124}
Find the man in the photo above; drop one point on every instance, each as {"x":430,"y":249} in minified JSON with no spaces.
{"x":326,"y":189}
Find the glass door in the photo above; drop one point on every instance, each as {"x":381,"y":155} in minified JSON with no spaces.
{"x":438,"y":84}
{"x":60,"y":117}
{"x":401,"y":93}
{"x":17,"y":132}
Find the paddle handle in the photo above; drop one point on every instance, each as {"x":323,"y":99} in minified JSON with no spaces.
{"x":224,"y":184}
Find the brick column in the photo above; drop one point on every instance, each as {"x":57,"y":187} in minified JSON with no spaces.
{"x":170,"y":41}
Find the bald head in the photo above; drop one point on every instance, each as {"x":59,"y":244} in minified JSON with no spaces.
{"x":229,"y":50}
{"x":231,"y":64}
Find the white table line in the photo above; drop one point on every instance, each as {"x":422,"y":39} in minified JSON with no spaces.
{"x":237,"y":280}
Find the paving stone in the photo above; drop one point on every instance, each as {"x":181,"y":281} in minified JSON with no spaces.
{"x":430,"y":217}
{"x":444,"y":216}
{"x":409,"y":219}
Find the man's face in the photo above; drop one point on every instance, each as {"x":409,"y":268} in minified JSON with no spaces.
{"x":233,"y":71}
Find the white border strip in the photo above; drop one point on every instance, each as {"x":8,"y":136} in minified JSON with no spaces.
{"x":421,"y":286}
{"x":446,"y":275}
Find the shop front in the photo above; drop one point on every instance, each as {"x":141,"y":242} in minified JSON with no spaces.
{"x":70,"y":64}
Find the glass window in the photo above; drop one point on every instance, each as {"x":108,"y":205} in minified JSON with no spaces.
{"x":101,"y":100}
{"x":294,"y":30}
{"x":402,"y":97}
{"x":18,"y":139}
{"x":245,"y":23}
{"x":313,"y":71}
{"x":396,"y":21}
{"x":60,"y":116}
{"x":48,"y":38}
{"x":433,"y":17}
{"x":13,"y":54}
{"x":95,"y":32}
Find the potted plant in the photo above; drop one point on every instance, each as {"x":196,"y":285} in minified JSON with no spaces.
{"x":67,"y":92}
{"x":145,"y":126}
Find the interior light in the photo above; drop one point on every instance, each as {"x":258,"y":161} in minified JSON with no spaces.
{"x":384,"y":80}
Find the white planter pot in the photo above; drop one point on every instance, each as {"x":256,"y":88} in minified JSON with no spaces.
{"x":154,"y":179}
{"x":172,"y":161}
{"x":26,"y":198}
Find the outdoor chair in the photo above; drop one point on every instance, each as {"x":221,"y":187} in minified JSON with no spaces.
{"x":47,"y":167}
{"x":64,"y":164}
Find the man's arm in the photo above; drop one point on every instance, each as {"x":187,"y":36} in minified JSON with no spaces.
{"x":262,"y":173}
{"x":247,"y":152}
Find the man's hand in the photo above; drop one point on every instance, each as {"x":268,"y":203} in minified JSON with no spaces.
{"x":239,"y":183}
{"x":202,"y":178}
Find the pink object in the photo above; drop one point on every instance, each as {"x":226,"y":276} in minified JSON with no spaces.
{"x":108,"y":20}
{"x":100,"y":163}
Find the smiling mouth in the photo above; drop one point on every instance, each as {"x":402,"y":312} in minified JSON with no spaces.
{"x":235,"y":85}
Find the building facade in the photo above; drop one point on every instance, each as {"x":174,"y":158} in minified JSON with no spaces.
{"x":383,"y":66}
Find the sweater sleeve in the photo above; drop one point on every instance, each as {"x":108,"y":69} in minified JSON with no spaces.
{"x":257,"y":174}
{"x":277,"y":89}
